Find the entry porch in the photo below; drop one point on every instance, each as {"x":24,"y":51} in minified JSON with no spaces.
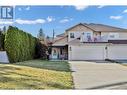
{"x":59,"y":52}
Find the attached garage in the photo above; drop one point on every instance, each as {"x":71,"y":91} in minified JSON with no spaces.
{"x":118,"y":52}
{"x":98,"y":52}
{"x":87,"y":52}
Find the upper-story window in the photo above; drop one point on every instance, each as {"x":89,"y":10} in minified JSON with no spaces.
{"x":88,"y":36}
{"x":72,"y":35}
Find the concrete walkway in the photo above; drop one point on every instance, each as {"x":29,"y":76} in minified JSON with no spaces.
{"x":98,"y":75}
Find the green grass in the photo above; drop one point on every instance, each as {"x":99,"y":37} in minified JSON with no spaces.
{"x":123,"y":64}
{"x":36,"y":74}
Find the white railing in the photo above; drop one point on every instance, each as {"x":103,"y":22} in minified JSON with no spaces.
{"x":104,"y":38}
{"x":94,"y":39}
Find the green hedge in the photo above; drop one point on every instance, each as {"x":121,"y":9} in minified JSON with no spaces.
{"x":19,"y":45}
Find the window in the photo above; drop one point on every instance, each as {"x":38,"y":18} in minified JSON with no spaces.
{"x":72,"y":35}
{"x":88,"y":34}
{"x":89,"y":37}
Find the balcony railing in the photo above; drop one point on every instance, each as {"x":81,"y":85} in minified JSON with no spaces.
{"x":94,"y":39}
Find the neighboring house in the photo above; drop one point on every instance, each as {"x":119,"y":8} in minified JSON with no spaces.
{"x":91,"y":42}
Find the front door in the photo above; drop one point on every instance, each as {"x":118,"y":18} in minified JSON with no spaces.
{"x":54,"y":54}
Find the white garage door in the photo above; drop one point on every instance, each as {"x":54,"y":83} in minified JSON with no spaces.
{"x":89,"y":52}
{"x":117,"y":52}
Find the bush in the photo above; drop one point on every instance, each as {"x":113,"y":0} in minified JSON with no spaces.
{"x":40,"y":50}
{"x":19,"y":45}
{"x":2,"y":43}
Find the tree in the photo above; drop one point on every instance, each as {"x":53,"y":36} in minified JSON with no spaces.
{"x":48,"y":37}
{"x":19,"y":45}
{"x":41,"y":35}
{"x":4,"y":29}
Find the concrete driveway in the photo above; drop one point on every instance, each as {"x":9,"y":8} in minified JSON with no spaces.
{"x":98,"y":75}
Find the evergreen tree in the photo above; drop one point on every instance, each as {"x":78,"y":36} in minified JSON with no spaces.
{"x":47,"y":37}
{"x":41,"y":35}
{"x":4,"y":29}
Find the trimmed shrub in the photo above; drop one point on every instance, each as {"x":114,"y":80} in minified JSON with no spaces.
{"x":19,"y":45}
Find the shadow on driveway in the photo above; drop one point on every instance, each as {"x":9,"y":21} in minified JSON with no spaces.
{"x":121,"y":61}
{"x":109,"y":85}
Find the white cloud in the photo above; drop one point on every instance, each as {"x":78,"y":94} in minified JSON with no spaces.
{"x":80,"y":7}
{"x":101,"y":6}
{"x":21,"y":21}
{"x":28,"y":8}
{"x":20,"y":9}
{"x":37,"y":21}
{"x":2,"y":22}
{"x":71,"y":18}
{"x":116,"y":17}
{"x":50,"y":19}
{"x":125,"y":11}
{"x":64,"y":20}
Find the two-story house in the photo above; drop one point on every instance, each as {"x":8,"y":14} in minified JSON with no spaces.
{"x":91,"y":42}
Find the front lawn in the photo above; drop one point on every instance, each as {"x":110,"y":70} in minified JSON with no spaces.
{"x":125,"y":64}
{"x":36,"y":74}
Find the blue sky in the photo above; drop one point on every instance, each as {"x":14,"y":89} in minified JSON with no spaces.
{"x":60,"y":18}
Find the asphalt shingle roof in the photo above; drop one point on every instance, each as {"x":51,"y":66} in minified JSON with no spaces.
{"x":102,"y":27}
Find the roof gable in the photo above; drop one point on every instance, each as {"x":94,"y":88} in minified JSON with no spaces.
{"x":81,"y":27}
{"x":60,"y":42}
